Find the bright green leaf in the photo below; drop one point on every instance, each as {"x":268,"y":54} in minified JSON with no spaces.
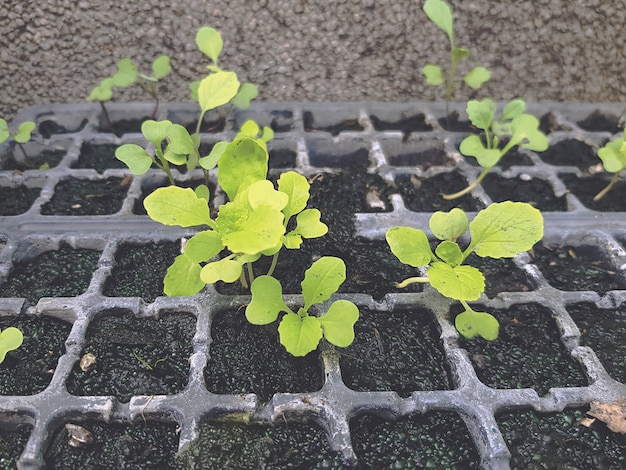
{"x":4,"y":130}
{"x":103,"y":92}
{"x":459,"y":53}
{"x":267,"y":301}
{"x":409,"y":245}
{"x":11,"y":338}
{"x":470,"y":324}
{"x":338,"y":323}
{"x":203,"y":246}
{"x":24,"y":132}
{"x":262,"y":230}
{"x":183,"y":278}
{"x":298,"y":335}
{"x":155,"y":131}
{"x":249,"y":129}
{"x":135,"y":157}
{"x":126,"y":73}
{"x":217,"y":89}
{"x":210,"y":42}
{"x":161,"y":66}
{"x":226,"y":270}
{"x":477,"y":77}
{"x":172,"y":205}
{"x":231,"y":217}
{"x":262,"y":193}
{"x":297,"y":188}
{"x":448,"y":225}
{"x":433,"y":74}
{"x":243,"y":162}
{"x":513,"y":108}
{"x":459,"y":283}
{"x":267,"y":134}
{"x":308,"y":224}
{"x":525,"y":131}
{"x":450,"y":253}
{"x":202,"y":191}
{"x":180,"y":141}
{"x":247,"y":92}
{"x":481,"y":113}
{"x":210,"y":161}
{"x":613,"y":155}
{"x":439,"y":13}
{"x":472,"y":146}
{"x":292,"y":241}
{"x":322,"y":280}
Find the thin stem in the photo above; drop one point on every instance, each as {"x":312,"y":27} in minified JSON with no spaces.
{"x":206,"y":176}
{"x":199,"y":125}
{"x":250,"y":272}
{"x":467,"y":307}
{"x":106,"y":116}
{"x":411,"y":280}
{"x":463,"y":192}
{"x":21,"y":146}
{"x":270,"y":271}
{"x":602,"y":193}
{"x":242,"y":279}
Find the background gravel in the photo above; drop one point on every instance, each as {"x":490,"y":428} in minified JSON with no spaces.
{"x":314,"y":50}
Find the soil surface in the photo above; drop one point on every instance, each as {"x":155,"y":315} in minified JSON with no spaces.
{"x":345,"y":125}
{"x":73,"y":196}
{"x":424,"y":194}
{"x":12,"y":444}
{"x":122,"y":126}
{"x":585,"y":189}
{"x":44,"y":159}
{"x":406,"y":124}
{"x":536,"y":192}
{"x":570,"y":152}
{"x":15,"y":201}
{"x":99,"y":157}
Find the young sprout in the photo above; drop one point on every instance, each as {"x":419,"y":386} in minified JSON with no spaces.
{"x":160,"y":69}
{"x":11,"y":338}
{"x":613,"y":156}
{"x":20,"y":137}
{"x":502,"y":230}
{"x":512,"y":128}
{"x":439,"y":12}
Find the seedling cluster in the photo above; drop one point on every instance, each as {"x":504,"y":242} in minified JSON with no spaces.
{"x":613,"y":156}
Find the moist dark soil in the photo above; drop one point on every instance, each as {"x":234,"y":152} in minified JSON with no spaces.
{"x":599,"y":121}
{"x":279,"y":447}
{"x":99,"y":157}
{"x":540,"y":441}
{"x":15,"y":201}
{"x":12,"y":445}
{"x":501,"y":275}
{"x":416,"y":154}
{"x":603,"y":330}
{"x":424,"y":194}
{"x":246,"y":358}
{"x":574,"y":268}
{"x":527,"y":354}
{"x":65,"y":272}
{"x":406,"y":124}
{"x":585,"y":189}
{"x":28,"y":369}
{"x":548,"y":124}
{"x":48,"y":128}
{"x":45,"y":159}
{"x":142,"y":445}
{"x":570,"y":152}
{"x":135,"y":356}
{"x":538,"y":193}
{"x":73,"y":196}
{"x":345,"y":125}
{"x":139,"y":270}
{"x":397,"y":351}
{"x":435,"y":440}
{"x":282,"y":121}
{"x":452,"y":123}
{"x":282,"y":158}
{"x":122,"y":126}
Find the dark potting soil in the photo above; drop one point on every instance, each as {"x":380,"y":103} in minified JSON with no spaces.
{"x":135,"y":356}
{"x":28,"y":369}
{"x":139,"y":270}
{"x":603,"y":330}
{"x":419,"y":155}
{"x":573,"y":268}
{"x":48,"y":128}
{"x":45,"y":159}
{"x":73,"y":196}
{"x":65,"y":272}
{"x":122,"y":126}
{"x":424,"y":194}
{"x":527,"y":354}
{"x":406,"y":124}
{"x":12,"y":445}
{"x":396,"y":351}
{"x":246,"y":358}
{"x":434,"y":440}
{"x":585,"y":189}
{"x":115,"y":446}
{"x":548,"y":123}
{"x":282,"y":121}
{"x":282,"y":158}
{"x":599,"y":121}
{"x":570,"y":152}
{"x":99,"y":157}
{"x":558,"y":441}
{"x":241,"y":447}
{"x":538,"y":193}
{"x":345,"y":125}
{"x":452,"y":123}
{"x":501,"y":275}
{"x":15,"y":201}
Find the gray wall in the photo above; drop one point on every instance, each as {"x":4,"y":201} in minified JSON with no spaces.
{"x":315,"y":50}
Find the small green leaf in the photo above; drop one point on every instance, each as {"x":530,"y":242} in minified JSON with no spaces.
{"x":298,"y":335}
{"x":470,"y":324}
{"x":460,"y":53}
{"x":448,"y":225}
{"x":161,"y":66}
{"x":174,"y":158}
{"x":243,"y":162}
{"x":126,"y":73}
{"x":409,"y":245}
{"x":246,"y":93}
{"x":226,"y":270}
{"x":322,"y":280}
{"x":309,"y":225}
{"x":450,"y":253}
{"x":613,"y":155}
{"x":203,"y":246}
{"x":202,"y":191}
{"x":433,"y":74}
{"x":210,"y":161}
{"x":292,"y":241}
{"x":267,"y":301}
{"x":177,"y":206}
{"x":135,"y":157}
{"x":262,"y":193}
{"x":338,"y":323}
{"x":513,"y":108}
{"x":504,"y":229}
{"x":297,"y":188}
{"x":439,"y":13}
{"x":103,"y":92}
{"x":262,"y":230}
{"x":472,"y":146}
{"x":481,"y":113}
{"x":249,"y":129}
{"x":193,"y":89}
{"x":477,"y":77}
{"x":210,"y":42}
{"x":183,"y":278}
{"x":24,"y":132}
{"x":4,"y":130}
{"x":217,"y":89}
{"x":267,"y":134}
{"x":11,"y":338}
{"x":525,"y":130}
{"x":459,"y":283}
{"x":155,"y":131}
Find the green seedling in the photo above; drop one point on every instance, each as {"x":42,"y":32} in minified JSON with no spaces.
{"x":300,"y":332}
{"x":146,"y":364}
{"x":11,"y":338}
{"x":23,"y":134}
{"x":160,"y":69}
{"x":512,"y":128}
{"x":613,"y":156}
{"x":502,"y":230}
{"x":439,"y":13}
{"x":252,"y":224}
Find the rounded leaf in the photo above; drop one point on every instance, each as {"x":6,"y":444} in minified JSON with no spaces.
{"x":11,"y":338}
{"x":613,"y":155}
{"x":433,"y":74}
{"x":470,"y":324}
{"x":477,"y":77}
{"x":338,"y":323}
{"x":409,"y":245}
{"x":161,"y":66}
{"x":183,"y":277}
{"x":513,"y":108}
{"x":267,"y":301}
{"x":322,"y":280}
{"x":297,"y":188}
{"x":439,"y":13}
{"x":459,"y":283}
{"x":135,"y":157}
{"x":24,"y":132}
{"x":226,"y":270}
{"x":448,"y":225}
{"x":309,"y":225}
{"x":217,"y":89}
{"x":172,"y":205}
{"x":450,"y":253}
{"x":481,"y":112}
{"x":126,"y":73}
{"x":210,"y":161}
{"x":203,"y":246}
{"x":246,"y":93}
{"x":299,"y":335}
{"x":210,"y":42}
{"x":155,"y":131}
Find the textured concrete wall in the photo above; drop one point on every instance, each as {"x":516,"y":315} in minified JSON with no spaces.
{"x":317,"y":50}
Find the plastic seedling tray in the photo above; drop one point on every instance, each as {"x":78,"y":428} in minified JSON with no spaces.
{"x":182,"y":381}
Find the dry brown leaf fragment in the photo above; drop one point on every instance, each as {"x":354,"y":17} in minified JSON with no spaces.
{"x":613,"y":414}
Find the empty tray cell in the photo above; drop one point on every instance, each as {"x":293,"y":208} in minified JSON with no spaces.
{"x":559,"y":441}
{"x":501,"y":275}
{"x":535,"y":191}
{"x":600,"y":121}
{"x":420,"y":153}
{"x":334,"y":123}
{"x":121,"y":121}
{"x":586,"y":188}
{"x":65,"y":272}
{"x":67,"y":125}
{"x":280,"y":120}
{"x":548,"y":123}
{"x":12,"y":443}
{"x":405,"y":123}
{"x":395,"y":351}
{"x":527,"y":354}
{"x":577,"y":268}
{"x":34,"y":157}
{"x":453,"y":123}
{"x":283,"y":445}
{"x":571,"y":152}
{"x":144,"y":444}
{"x":604,"y":330}
{"x":341,"y":154}
{"x":246,"y":358}
{"x":73,"y":196}
{"x":135,"y":356}
{"x":100,"y":157}
{"x":15,"y":201}
{"x":28,"y":369}
{"x":434,"y":440}
{"x":282,"y":153}
{"x":213,"y":122}
{"x":423,"y":194}
{"x":140,"y":268}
